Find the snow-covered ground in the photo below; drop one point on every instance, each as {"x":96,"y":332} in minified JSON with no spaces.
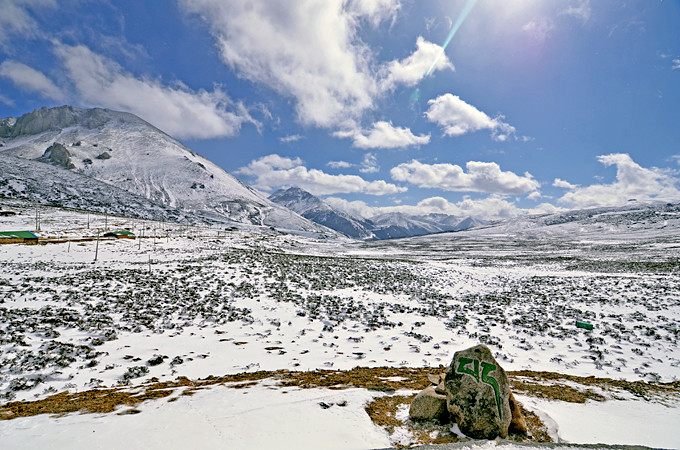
{"x":196,"y":302}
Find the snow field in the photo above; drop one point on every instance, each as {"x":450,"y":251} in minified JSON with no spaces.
{"x":203,"y":302}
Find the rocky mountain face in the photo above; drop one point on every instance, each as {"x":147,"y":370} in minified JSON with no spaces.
{"x":125,"y":152}
{"x":384,"y":226}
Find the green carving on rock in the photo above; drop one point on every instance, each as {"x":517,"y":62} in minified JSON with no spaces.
{"x":491,"y":381}
{"x":486,"y":379}
{"x":462,"y":369}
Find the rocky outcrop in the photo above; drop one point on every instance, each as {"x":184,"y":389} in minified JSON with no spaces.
{"x":58,"y":155}
{"x":59,"y":118}
{"x":476,"y":395}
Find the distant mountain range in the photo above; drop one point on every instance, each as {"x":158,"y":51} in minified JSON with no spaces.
{"x":119,"y":162}
{"x":383,"y":226}
{"x":108,"y":161}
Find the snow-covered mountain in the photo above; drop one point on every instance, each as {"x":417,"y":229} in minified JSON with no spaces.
{"x":316,"y":210}
{"x":34,"y":181}
{"x":398,"y":225}
{"x":124,"y":151}
{"x":383,"y":226}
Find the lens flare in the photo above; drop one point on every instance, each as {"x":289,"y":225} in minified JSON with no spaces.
{"x":469,"y":4}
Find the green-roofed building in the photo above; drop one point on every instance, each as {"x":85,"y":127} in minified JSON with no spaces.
{"x":11,"y":237}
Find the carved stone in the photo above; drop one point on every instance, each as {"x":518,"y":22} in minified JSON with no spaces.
{"x":477,"y":394}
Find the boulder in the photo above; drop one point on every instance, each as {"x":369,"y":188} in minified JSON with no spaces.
{"x":428,"y":405}
{"x":58,"y":155}
{"x":478,"y":393}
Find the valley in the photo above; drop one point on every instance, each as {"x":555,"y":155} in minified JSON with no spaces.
{"x":196,"y":302}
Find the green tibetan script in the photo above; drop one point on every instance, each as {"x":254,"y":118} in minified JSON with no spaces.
{"x":485,"y":378}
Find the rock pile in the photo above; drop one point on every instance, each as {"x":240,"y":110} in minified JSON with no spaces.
{"x":475,"y":394}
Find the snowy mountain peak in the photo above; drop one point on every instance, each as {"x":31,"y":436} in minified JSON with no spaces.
{"x":124,"y":151}
{"x":298,"y":200}
{"x":61,"y":117}
{"x":316,"y":210}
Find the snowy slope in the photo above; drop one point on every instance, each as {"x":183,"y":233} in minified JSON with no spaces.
{"x":124,"y":151}
{"x":36,"y":181}
{"x":316,"y":210}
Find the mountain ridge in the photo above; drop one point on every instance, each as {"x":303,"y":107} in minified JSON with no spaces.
{"x":123,"y":150}
{"x":391,"y":225}
{"x":316,"y":210}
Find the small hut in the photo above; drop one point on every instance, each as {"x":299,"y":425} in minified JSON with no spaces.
{"x":14,"y":237}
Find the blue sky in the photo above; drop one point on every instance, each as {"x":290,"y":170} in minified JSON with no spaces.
{"x":534,"y":105}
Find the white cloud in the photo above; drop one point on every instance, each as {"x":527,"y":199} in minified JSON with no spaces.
{"x":16,"y":19}
{"x":375,"y":11}
{"x":383,"y":135}
{"x":356,"y":207}
{"x":291,"y":138}
{"x":369,"y":164}
{"x":274,"y":171}
{"x":676,"y":64}
{"x":308,"y":50}
{"x":339,"y":164}
{"x":268,"y":163}
{"x":457,"y":117}
{"x":539,"y":29}
{"x":580,"y":10}
{"x":31,"y":80}
{"x":564,"y":184}
{"x":632,"y":182}
{"x":6,"y":101}
{"x":490,"y":208}
{"x":409,"y":71}
{"x":177,"y":110}
{"x":480,"y":177}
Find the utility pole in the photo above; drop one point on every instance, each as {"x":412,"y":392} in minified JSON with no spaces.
{"x":139,"y":240}
{"x":88,"y":220}
{"x":96,"y":248}
{"x":37,"y":217}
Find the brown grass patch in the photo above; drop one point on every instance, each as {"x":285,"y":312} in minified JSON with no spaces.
{"x":386,"y":379}
{"x":646,"y":390}
{"x":555,"y":391}
{"x":94,"y":401}
{"x":382,"y":410}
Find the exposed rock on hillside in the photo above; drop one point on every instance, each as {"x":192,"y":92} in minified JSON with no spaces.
{"x":58,"y":155}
